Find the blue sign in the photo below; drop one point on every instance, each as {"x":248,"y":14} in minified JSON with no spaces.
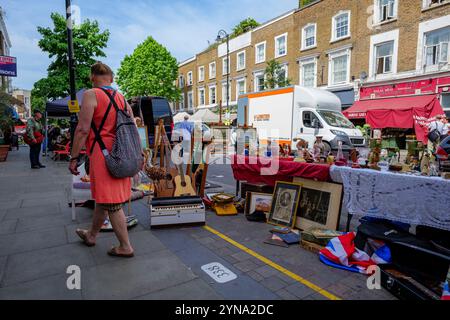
{"x":8,"y":66}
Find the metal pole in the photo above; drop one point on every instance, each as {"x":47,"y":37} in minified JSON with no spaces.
{"x":228,"y":73}
{"x":73,"y":94}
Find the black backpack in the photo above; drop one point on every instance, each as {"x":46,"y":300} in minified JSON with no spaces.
{"x":125,"y":159}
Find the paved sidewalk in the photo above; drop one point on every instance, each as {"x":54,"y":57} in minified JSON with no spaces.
{"x":38,"y":243}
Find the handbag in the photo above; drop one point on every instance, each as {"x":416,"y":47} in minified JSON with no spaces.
{"x":39,"y":137}
{"x":434,"y":135}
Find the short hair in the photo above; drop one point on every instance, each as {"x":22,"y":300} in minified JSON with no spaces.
{"x":439,"y":117}
{"x":37,"y":111}
{"x":101,"y":69}
{"x":186,"y":117}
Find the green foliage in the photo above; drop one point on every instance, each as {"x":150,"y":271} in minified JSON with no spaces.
{"x":149,"y":71}
{"x":6,"y":101}
{"x":88,"y":43}
{"x":244,"y":26}
{"x":303,"y":3}
{"x":275,"y":76}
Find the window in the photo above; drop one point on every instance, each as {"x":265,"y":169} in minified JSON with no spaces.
{"x":181,"y":104}
{"x":212,"y":95}
{"x":212,"y":70}
{"x":260,"y":52}
{"x":225,"y":66}
{"x":385,"y":10}
{"x":341,"y":26}
{"x":431,"y":3}
{"x":240,"y":88}
{"x":259,"y":81}
{"x":240,"y":60}
{"x":445,"y":102}
{"x":189,"y":76}
{"x":309,"y":37}
{"x":308,"y":73}
{"x":201,"y":74}
{"x":226,"y":96}
{"x":190,"y":100}
{"x":201,"y":97}
{"x":181,"y":81}
{"x":281,"y":45}
{"x":384,"y":54}
{"x":310,"y":120}
{"x":283,"y":74}
{"x":339,"y":69}
{"x":437,"y":47}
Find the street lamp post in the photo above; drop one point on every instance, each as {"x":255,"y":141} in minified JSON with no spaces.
{"x":71,"y":66}
{"x":221,"y":35}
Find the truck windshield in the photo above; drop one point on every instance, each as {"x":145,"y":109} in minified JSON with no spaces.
{"x":336,"y":119}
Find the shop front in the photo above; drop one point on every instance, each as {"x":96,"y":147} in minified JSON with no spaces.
{"x":403,"y":108}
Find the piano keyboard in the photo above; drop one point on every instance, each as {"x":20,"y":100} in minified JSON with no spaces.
{"x":178,"y":208}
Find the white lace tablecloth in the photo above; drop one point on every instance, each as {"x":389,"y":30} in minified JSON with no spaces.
{"x":394,"y":196}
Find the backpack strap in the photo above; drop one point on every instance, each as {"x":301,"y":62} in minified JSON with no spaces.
{"x":98,"y":137}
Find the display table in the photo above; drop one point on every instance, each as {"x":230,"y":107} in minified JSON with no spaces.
{"x":269,"y":171}
{"x":406,"y":198}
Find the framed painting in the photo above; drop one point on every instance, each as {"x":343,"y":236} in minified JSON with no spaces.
{"x":319,"y":205}
{"x":255,"y":201}
{"x":143,"y":135}
{"x":285,"y":204}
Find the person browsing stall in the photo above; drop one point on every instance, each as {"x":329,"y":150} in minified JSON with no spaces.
{"x":109,"y":193}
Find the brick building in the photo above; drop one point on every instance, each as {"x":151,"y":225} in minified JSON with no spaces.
{"x":5,"y":45}
{"x":358,"y":49}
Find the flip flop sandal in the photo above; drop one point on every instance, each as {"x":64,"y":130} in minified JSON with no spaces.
{"x":114,"y":253}
{"x":82,"y":236}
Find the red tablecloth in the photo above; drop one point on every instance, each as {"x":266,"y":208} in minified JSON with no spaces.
{"x":267,"y":171}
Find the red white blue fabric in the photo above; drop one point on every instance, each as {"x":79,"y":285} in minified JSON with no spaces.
{"x":341,"y":252}
{"x":446,"y":293}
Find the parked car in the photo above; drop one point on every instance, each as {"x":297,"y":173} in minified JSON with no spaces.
{"x":152,"y":109}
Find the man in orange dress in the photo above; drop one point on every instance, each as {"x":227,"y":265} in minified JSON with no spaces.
{"x":108,"y":192}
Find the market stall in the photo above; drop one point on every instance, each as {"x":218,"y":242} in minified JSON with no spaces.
{"x":405,"y":112}
{"x":407,"y":198}
{"x":269,"y":171}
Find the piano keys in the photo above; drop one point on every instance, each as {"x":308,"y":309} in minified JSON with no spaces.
{"x":177,"y":211}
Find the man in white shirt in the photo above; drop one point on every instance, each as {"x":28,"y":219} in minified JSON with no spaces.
{"x":440,"y":125}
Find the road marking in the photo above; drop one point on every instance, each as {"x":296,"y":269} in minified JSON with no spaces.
{"x":274,"y":265}
{"x":218,"y":272}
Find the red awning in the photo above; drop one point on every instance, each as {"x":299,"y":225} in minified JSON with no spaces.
{"x":404,"y":112}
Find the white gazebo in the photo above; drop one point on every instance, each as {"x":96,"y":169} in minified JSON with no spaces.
{"x":180,"y":116}
{"x":206,"y":116}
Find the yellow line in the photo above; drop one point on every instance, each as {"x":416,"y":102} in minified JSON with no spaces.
{"x":274,"y":265}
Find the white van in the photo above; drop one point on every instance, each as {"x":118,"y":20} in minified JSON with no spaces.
{"x":297,"y":112}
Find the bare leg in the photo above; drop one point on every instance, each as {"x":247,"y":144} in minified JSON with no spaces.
{"x":119,"y":224}
{"x":97,"y":222}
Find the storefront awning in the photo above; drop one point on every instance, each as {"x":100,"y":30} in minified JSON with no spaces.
{"x":403,"y":112}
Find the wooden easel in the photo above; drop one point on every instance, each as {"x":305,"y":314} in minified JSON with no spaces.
{"x":163,"y":188}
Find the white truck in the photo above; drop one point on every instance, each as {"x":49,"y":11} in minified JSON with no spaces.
{"x":285,"y":114}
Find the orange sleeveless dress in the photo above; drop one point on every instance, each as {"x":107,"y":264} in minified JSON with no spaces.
{"x":105,"y":188}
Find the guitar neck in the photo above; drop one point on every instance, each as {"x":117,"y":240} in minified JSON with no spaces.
{"x":181,"y":171}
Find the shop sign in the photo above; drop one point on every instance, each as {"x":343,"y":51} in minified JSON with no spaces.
{"x":74,"y":107}
{"x":422,"y":87}
{"x":8,"y":66}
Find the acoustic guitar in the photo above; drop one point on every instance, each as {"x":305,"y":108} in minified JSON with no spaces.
{"x":183,"y":184}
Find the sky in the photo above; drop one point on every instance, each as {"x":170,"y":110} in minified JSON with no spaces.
{"x":184,"y":27}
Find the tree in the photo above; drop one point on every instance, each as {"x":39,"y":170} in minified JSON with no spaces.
{"x":149,"y":71}
{"x":88,"y":43}
{"x":244,"y":26}
{"x":303,"y":3}
{"x":6,"y":102}
{"x":275,"y":76}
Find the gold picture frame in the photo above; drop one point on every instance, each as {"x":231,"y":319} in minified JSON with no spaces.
{"x":319,"y":205}
{"x":284,"y":206}
{"x":257,"y":201}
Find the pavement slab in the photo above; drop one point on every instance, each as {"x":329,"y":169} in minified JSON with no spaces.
{"x":28,"y":241}
{"x":47,"y":288}
{"x":36,"y":211}
{"x":130,"y":278}
{"x":36,"y":264}
{"x":196,"y":289}
{"x":8,"y":226}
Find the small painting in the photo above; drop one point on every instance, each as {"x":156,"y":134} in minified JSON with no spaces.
{"x":284,"y":204}
{"x":143,"y":135}
{"x":256,"y":201}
